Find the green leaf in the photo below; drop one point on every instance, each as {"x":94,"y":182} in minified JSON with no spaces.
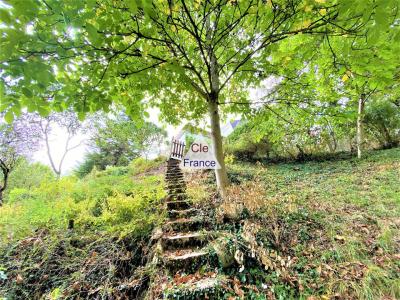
{"x":5,"y":16}
{"x":9,"y":117}
{"x":31,"y":106}
{"x":27,"y":92}
{"x":132,"y":6}
{"x":44,"y":112}
{"x":94,"y":36}
{"x":2,"y":89}
{"x":17,"y":108}
{"x":81,"y":115}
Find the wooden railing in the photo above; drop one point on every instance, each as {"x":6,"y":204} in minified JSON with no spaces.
{"x":177,"y":149}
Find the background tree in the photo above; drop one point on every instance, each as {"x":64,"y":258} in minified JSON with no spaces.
{"x":116,"y":140}
{"x":367,"y":65}
{"x":382,"y":121}
{"x":17,"y":140}
{"x":66,"y":121}
{"x":186,"y":56}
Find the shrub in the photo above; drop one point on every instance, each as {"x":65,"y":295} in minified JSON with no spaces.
{"x":383,"y":123}
{"x":92,"y":202}
{"x":28,"y":175}
{"x":142,"y":165}
{"x":90,"y":161}
{"x":129,"y":215}
{"x":19,"y":195}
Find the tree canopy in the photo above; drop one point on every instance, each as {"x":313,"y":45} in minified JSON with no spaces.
{"x":186,"y":57}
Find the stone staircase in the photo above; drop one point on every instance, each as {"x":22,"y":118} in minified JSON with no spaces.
{"x":187,"y":256}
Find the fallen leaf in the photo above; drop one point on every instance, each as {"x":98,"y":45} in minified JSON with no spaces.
{"x":19,"y":279}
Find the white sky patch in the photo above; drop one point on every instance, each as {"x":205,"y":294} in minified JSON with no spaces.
{"x":257,"y":95}
{"x":29,"y":29}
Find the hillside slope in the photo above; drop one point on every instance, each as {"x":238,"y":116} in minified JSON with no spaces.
{"x":317,"y":230}
{"x":321,"y":230}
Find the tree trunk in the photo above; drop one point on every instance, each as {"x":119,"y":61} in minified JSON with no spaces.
{"x":5,"y":170}
{"x":360,"y":114}
{"x":332,"y":146}
{"x":220,"y":174}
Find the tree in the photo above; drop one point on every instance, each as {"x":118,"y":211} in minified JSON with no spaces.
{"x":16,"y":141}
{"x":346,"y":73}
{"x":116,"y":139}
{"x":186,"y":57}
{"x":382,"y":120}
{"x":367,"y":64}
{"x":67,"y":121}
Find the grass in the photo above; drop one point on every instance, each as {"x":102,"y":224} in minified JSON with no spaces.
{"x":339,"y":219}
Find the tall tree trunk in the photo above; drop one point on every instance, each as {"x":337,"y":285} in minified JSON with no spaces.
{"x":216,"y":136}
{"x":360,"y":114}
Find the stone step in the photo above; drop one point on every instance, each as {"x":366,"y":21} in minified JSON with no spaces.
{"x":178,"y":180}
{"x":177,"y":190}
{"x":185,"y":240}
{"x":187,"y":260}
{"x":175,"y":165}
{"x":174,"y":180}
{"x":172,"y":162}
{"x":174,"y":174}
{"x":177,"y":197}
{"x":175,"y":183}
{"x":178,"y":205}
{"x":174,"y":168}
{"x":185,"y":224}
{"x":210,"y":286}
{"x":184,"y":213}
{"x":172,"y":171}
{"x":174,"y":177}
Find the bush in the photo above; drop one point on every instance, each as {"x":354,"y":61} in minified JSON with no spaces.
{"x":382,"y":120}
{"x":28,"y":175}
{"x":90,"y":162}
{"x":244,"y":146}
{"x":92,"y":202}
{"x":142,"y":165}
{"x":68,"y":265}
{"x":19,"y":195}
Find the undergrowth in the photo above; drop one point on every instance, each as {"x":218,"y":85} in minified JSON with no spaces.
{"x":315,"y":230}
{"x":80,"y":238}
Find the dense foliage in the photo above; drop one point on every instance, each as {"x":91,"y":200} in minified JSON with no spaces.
{"x":113,"y":211}
{"x":104,"y":200}
{"x":286,"y":132}
{"x":17,"y":140}
{"x":88,"y":55}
